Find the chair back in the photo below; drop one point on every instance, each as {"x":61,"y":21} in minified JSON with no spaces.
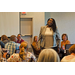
{"x":67,"y":46}
{"x":34,"y":51}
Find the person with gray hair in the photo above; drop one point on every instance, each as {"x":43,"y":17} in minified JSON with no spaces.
{"x":48,"y":55}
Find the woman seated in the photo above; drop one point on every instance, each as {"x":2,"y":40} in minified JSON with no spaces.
{"x":1,"y":58}
{"x":48,"y":55}
{"x":71,"y":57}
{"x":4,"y":39}
{"x":35,"y":45}
{"x":64,"y":41}
{"x":23,"y":55}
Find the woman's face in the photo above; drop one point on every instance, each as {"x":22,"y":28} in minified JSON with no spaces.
{"x":50,"y":22}
{"x":64,"y":38}
{"x":36,"y":39}
{"x":19,"y":37}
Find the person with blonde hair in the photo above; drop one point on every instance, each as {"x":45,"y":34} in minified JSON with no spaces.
{"x":48,"y":55}
{"x":71,"y":57}
{"x":23,"y":55}
{"x":22,"y":52}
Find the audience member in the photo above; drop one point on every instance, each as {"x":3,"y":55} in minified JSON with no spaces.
{"x":4,"y":39}
{"x":23,"y":55}
{"x":35,"y":45}
{"x":5,"y":53}
{"x":1,"y":58}
{"x":29,"y":55}
{"x":14,"y":58}
{"x":71,"y":57}
{"x":12,"y":45}
{"x":48,"y":55}
{"x":64,"y":41}
{"x":19,"y":39}
{"x":2,"y":44}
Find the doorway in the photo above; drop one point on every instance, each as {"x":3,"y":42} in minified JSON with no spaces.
{"x":26,"y":25}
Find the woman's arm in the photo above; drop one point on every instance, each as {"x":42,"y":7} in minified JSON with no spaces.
{"x":35,"y":46}
{"x":57,"y":37}
{"x":40,"y":38}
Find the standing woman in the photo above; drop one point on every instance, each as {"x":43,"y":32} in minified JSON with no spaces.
{"x":49,"y":35}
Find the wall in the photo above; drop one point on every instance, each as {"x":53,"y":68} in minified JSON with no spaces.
{"x":9,"y":22}
{"x":38,"y":21}
{"x":65,"y":22}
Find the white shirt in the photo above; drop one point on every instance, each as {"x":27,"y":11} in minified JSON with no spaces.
{"x":48,"y":37}
{"x":68,"y":58}
{"x":49,"y":31}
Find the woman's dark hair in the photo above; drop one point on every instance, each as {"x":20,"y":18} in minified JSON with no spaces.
{"x":53,"y":25}
{"x":65,"y":35}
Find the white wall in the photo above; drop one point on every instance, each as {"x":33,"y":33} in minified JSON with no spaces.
{"x":38,"y":21}
{"x":9,"y":23}
{"x":65,"y":22}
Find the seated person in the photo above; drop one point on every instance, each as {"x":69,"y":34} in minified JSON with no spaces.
{"x":71,"y":57}
{"x":23,"y":55}
{"x":5,"y":53}
{"x":12,"y":45}
{"x":4,"y":39}
{"x":1,"y":58}
{"x":65,"y":41}
{"x":19,"y":39}
{"x":2,"y":44}
{"x":48,"y":55}
{"x":35,"y":45}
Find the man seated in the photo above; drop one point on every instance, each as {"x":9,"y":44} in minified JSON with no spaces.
{"x":12,"y":45}
{"x":19,"y":39}
{"x":35,"y":45}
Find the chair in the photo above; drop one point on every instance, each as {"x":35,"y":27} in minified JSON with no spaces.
{"x":7,"y":55}
{"x":67,"y":46}
{"x":34,"y":51}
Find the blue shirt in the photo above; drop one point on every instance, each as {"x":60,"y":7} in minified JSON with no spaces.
{"x":12,"y":46}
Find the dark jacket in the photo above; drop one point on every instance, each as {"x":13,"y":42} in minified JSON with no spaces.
{"x":36,"y":49}
{"x":2,"y":44}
